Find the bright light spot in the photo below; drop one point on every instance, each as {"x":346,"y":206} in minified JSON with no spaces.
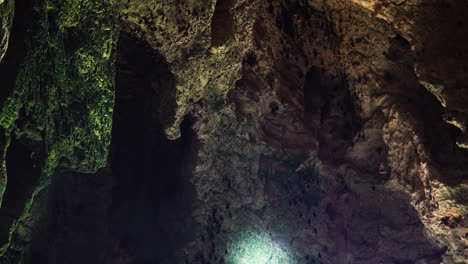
{"x":255,"y":248}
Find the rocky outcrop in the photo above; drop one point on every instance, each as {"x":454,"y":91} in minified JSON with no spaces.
{"x":284,"y":131}
{"x":60,"y":102}
{"x":436,"y":33}
{"x":7,"y":11}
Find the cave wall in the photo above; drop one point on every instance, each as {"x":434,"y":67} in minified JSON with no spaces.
{"x":142,"y":199}
{"x":333,"y":130}
{"x":7,"y":11}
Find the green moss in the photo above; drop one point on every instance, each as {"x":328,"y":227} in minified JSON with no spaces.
{"x":173,"y":29}
{"x":66,"y":86}
{"x":7,"y":9}
{"x":3,"y":178}
{"x":182,"y":34}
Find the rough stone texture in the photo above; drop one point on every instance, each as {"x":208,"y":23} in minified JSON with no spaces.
{"x":6,"y":13}
{"x":181,"y":32}
{"x":59,"y":108}
{"x":437,"y":35}
{"x":323,"y":129}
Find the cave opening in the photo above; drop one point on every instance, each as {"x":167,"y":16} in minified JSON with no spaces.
{"x":153,"y":194}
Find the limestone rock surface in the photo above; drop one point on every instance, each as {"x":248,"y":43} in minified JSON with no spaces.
{"x":184,"y":131}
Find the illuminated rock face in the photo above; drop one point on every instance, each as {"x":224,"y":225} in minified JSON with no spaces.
{"x":233,"y":131}
{"x":258,"y":248}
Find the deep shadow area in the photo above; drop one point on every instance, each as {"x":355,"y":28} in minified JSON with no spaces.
{"x":24,"y":163}
{"x":24,"y":16}
{"x":442,"y":59}
{"x":315,"y":95}
{"x":222,"y":23}
{"x":23,"y":158}
{"x":330,"y":108}
{"x":137,"y":210}
{"x":153,"y":195}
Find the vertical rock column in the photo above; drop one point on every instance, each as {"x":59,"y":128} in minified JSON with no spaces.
{"x":62,"y":99}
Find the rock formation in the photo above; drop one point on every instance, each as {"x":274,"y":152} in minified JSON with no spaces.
{"x":234,"y":131}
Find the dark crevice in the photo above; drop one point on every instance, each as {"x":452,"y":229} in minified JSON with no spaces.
{"x":142,"y":67}
{"x":315,"y":94}
{"x":250,"y":59}
{"x":24,"y":16}
{"x":152,"y":198}
{"x":24,"y":163}
{"x":325,"y":99}
{"x":222,"y":23}
{"x":399,"y":48}
{"x":285,"y":22}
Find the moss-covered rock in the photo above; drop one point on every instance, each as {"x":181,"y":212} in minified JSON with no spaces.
{"x":6,"y":20}
{"x":308,"y":131}
{"x":7,"y":10}
{"x":182,"y":33}
{"x":65,"y":88}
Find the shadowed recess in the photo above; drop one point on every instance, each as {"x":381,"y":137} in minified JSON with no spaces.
{"x":23,"y":169}
{"x":152,"y":194}
{"x":222,"y":23}
{"x":16,"y":47}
